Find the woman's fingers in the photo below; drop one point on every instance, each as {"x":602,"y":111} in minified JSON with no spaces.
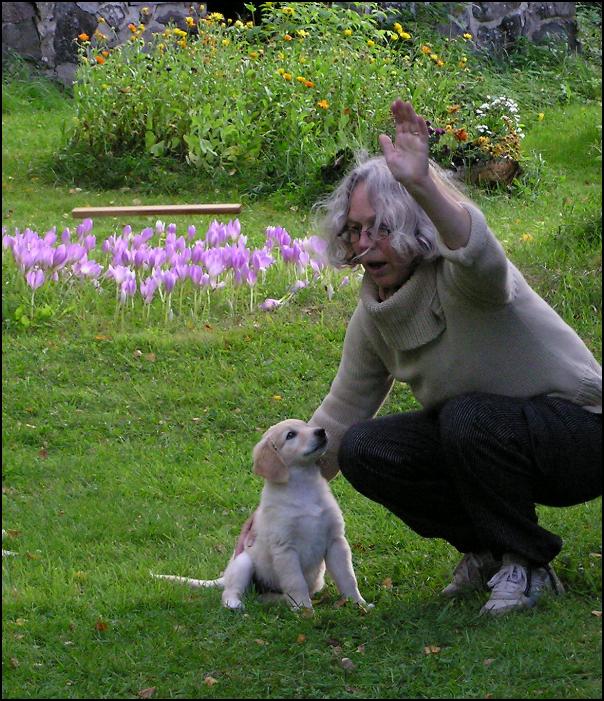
{"x":386,"y":145}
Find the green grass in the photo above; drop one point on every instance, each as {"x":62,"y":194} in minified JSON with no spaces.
{"x":127,"y":449}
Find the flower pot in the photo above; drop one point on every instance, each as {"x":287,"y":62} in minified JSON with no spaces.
{"x":498,"y":171}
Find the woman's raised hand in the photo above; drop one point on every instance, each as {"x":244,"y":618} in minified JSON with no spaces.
{"x":407,"y":157}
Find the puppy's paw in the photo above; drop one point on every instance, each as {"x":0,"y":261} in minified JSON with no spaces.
{"x":233,"y":604}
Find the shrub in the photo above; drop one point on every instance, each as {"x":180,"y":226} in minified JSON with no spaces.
{"x":282,"y":102}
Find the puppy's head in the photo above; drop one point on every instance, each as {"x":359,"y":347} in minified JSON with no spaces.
{"x":290,"y":443}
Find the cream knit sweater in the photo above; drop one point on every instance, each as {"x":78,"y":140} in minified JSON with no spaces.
{"x":465,"y":322}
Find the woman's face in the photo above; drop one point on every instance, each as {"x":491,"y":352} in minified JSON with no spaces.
{"x":381,"y":262}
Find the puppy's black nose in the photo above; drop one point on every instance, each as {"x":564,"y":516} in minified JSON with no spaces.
{"x":320,"y":433}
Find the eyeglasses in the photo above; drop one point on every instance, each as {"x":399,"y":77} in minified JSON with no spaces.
{"x":352,"y":234}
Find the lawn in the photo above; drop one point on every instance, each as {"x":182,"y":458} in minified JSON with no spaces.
{"x":127,"y":448}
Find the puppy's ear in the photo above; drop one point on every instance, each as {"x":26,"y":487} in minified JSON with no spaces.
{"x":268,"y":462}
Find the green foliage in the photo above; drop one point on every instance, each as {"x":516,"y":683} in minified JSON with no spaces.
{"x":277,"y":103}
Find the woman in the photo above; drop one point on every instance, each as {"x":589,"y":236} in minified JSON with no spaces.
{"x":510,"y":395}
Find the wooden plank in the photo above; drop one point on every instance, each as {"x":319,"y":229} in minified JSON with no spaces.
{"x":154,"y":209}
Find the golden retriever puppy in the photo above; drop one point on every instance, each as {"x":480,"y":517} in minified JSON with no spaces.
{"x":297,"y":531}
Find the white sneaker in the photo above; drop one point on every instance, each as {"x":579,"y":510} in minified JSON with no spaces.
{"x":472,"y":574}
{"x":519,"y":585}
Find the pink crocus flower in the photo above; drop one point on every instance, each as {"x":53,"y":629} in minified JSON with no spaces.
{"x":269,"y":304}
{"x":35,"y":278}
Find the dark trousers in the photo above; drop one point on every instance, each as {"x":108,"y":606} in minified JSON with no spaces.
{"x":472,"y":471}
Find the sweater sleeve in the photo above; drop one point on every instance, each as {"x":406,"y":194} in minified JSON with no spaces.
{"x":360,"y":387}
{"x":480,"y":270}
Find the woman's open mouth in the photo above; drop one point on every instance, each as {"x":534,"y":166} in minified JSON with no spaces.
{"x":375,"y":266}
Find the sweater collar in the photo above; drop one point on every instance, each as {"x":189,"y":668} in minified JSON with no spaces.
{"x":413,"y":315}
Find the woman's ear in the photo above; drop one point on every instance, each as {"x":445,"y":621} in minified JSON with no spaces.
{"x":268,"y":462}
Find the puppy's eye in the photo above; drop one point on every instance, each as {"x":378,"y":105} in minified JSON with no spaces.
{"x":290,"y":435}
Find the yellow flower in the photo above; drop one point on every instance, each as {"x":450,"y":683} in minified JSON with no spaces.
{"x":280,"y":71}
{"x":394,"y":36}
{"x":287,"y":76}
{"x":440,"y":63}
{"x":370,"y":43}
{"x":405,"y":35}
{"x":453,"y":108}
{"x":226,"y":42}
{"x":101,"y":20}
{"x":527,"y":237}
{"x":302,"y":33}
{"x":238,"y":24}
{"x":434,"y":57}
{"x":190,"y":21}
{"x":348,"y":32}
{"x":541,"y":116}
{"x":182,"y":43}
{"x":323,"y":104}
{"x":215,"y":17}
{"x":425,"y":49}
{"x":301,"y":79}
{"x":253,"y":54}
{"x":288,"y":11}
{"x":467,"y":35}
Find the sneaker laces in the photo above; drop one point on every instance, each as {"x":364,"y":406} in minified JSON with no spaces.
{"x":509,"y":580}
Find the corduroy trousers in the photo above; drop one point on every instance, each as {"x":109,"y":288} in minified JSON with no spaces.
{"x":473,"y":470}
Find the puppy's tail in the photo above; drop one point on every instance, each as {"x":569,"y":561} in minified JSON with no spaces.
{"x":193,"y":583}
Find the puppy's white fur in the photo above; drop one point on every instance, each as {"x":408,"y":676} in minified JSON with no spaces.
{"x":297,"y":531}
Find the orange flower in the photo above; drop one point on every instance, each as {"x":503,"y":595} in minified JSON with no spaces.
{"x":287,"y":37}
{"x":309,"y":84}
{"x":105,"y":53}
{"x":83,"y":37}
{"x":323,"y":104}
{"x":99,"y":59}
{"x":132,"y":27}
{"x":461,"y":134}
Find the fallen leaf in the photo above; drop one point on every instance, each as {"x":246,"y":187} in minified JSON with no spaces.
{"x":151,"y":357}
{"x":488,"y":662}
{"x":387,"y":583}
{"x":361,"y":649}
{"x":431,"y":649}
{"x":12,"y":532}
{"x":101,"y":337}
{"x":340,"y":602}
{"x":43,"y":453}
{"x":210,"y":681}
{"x":146,"y":693}
{"x":259,"y":641}
{"x":595,"y":555}
{"x":301,"y":638}
{"x":101,"y":626}
{"x":14,"y":662}
{"x":597,"y":614}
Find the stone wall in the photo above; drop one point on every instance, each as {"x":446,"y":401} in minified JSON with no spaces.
{"x":45,"y":31}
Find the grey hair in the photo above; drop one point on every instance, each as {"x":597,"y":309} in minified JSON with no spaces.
{"x":413,"y":234}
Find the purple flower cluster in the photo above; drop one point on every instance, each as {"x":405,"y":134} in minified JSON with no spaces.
{"x":136,"y":264}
